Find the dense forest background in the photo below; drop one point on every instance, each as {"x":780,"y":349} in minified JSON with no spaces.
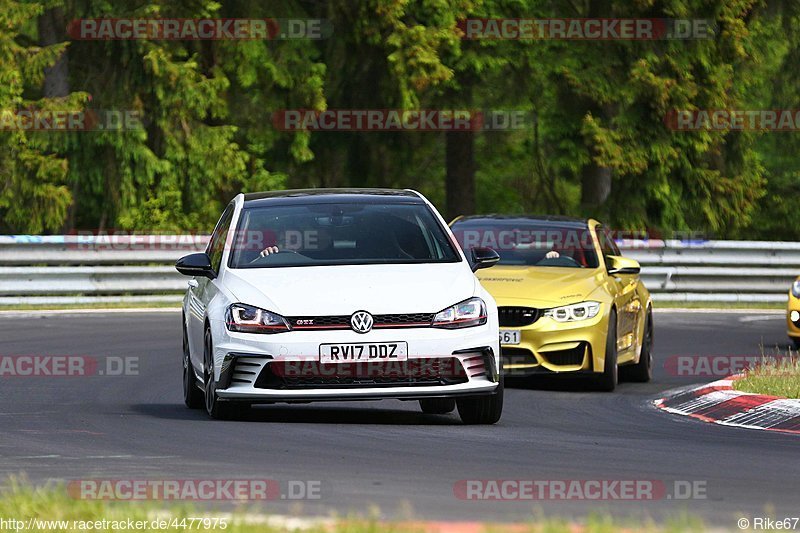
{"x":596,"y":144}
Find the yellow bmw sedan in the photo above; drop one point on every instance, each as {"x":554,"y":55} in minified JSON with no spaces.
{"x":569,"y":303}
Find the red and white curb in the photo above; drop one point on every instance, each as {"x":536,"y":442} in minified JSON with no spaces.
{"x":720,"y":404}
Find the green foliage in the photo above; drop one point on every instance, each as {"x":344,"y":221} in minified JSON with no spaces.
{"x":33,"y":197}
{"x":594,"y":106}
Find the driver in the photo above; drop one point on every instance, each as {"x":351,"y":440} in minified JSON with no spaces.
{"x":315,"y":240}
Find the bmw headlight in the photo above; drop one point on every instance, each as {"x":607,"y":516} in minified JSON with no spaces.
{"x":248,"y":319}
{"x":466,"y":314}
{"x":796,"y":288}
{"x":574,"y":312}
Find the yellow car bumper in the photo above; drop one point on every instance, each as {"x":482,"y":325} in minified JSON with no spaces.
{"x":547,"y":347}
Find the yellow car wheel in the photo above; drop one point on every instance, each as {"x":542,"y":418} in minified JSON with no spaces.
{"x":642,"y":372}
{"x":607,"y":381}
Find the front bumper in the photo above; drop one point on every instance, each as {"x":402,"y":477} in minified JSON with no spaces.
{"x":550,"y":347}
{"x":285,"y":367}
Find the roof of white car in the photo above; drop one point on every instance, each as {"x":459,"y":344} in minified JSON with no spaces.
{"x":306,"y":196}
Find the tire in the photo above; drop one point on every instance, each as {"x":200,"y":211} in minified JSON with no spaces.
{"x":437,"y":406}
{"x":216,"y":408}
{"x":642,"y":372}
{"x":607,"y":381}
{"x":485,"y":409}
{"x":192,"y":395}
{"x":796,"y":341}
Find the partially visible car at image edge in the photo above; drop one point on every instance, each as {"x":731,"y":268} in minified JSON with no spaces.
{"x":793,"y":313}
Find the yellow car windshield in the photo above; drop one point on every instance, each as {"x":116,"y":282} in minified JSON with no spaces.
{"x":527,"y":242}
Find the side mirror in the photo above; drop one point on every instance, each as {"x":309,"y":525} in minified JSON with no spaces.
{"x":195,"y":265}
{"x":483,"y":258}
{"x":622,"y":265}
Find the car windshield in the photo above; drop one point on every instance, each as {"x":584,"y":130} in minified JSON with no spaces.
{"x":524,"y":242}
{"x":340,"y":234}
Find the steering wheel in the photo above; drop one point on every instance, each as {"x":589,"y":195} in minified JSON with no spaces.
{"x":262,"y":257}
{"x":564,"y":260}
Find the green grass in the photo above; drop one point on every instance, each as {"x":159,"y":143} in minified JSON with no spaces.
{"x":21,"y":501}
{"x":773,"y":377}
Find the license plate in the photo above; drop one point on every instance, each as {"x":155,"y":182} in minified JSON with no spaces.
{"x":367,"y":351}
{"x":509,"y":336}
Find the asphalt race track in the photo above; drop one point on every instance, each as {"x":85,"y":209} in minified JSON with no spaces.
{"x":388,"y":454}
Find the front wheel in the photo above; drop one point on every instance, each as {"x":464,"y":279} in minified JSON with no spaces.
{"x":216,"y":408}
{"x":642,"y":371}
{"x":796,"y":341}
{"x":192,"y":395}
{"x":607,"y":381}
{"x":485,"y":409}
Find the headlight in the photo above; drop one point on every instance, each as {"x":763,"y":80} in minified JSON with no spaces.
{"x":466,"y":314}
{"x":796,"y":288}
{"x":574,"y":312}
{"x":248,"y":319}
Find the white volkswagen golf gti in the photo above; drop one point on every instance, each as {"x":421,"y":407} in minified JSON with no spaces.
{"x":339,"y":294}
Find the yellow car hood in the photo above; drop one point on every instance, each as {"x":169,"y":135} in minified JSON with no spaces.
{"x":541,"y":286}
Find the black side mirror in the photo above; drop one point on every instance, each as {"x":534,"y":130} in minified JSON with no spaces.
{"x":195,"y":265}
{"x":483,"y":258}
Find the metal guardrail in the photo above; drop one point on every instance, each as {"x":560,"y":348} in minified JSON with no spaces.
{"x":62,"y":250}
{"x":77,"y":269}
{"x":716,"y":271}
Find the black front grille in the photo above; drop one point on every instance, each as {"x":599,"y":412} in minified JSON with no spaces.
{"x":567,"y":357}
{"x":310,"y":375}
{"x":321,"y":322}
{"x":407,"y":319}
{"x":514,"y":317}
{"x":343,"y":321}
{"x":516,"y":356}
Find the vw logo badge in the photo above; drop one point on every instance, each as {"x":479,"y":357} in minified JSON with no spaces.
{"x":361,"y":322}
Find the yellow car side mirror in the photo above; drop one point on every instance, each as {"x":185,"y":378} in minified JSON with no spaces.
{"x":622,"y":265}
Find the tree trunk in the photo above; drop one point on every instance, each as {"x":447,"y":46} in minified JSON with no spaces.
{"x":51,"y":31}
{"x":595,"y":186}
{"x":596,"y":180}
{"x":460,"y":173}
{"x":52,"y":27}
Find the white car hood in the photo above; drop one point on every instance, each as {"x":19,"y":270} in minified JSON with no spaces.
{"x":344,"y":289}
